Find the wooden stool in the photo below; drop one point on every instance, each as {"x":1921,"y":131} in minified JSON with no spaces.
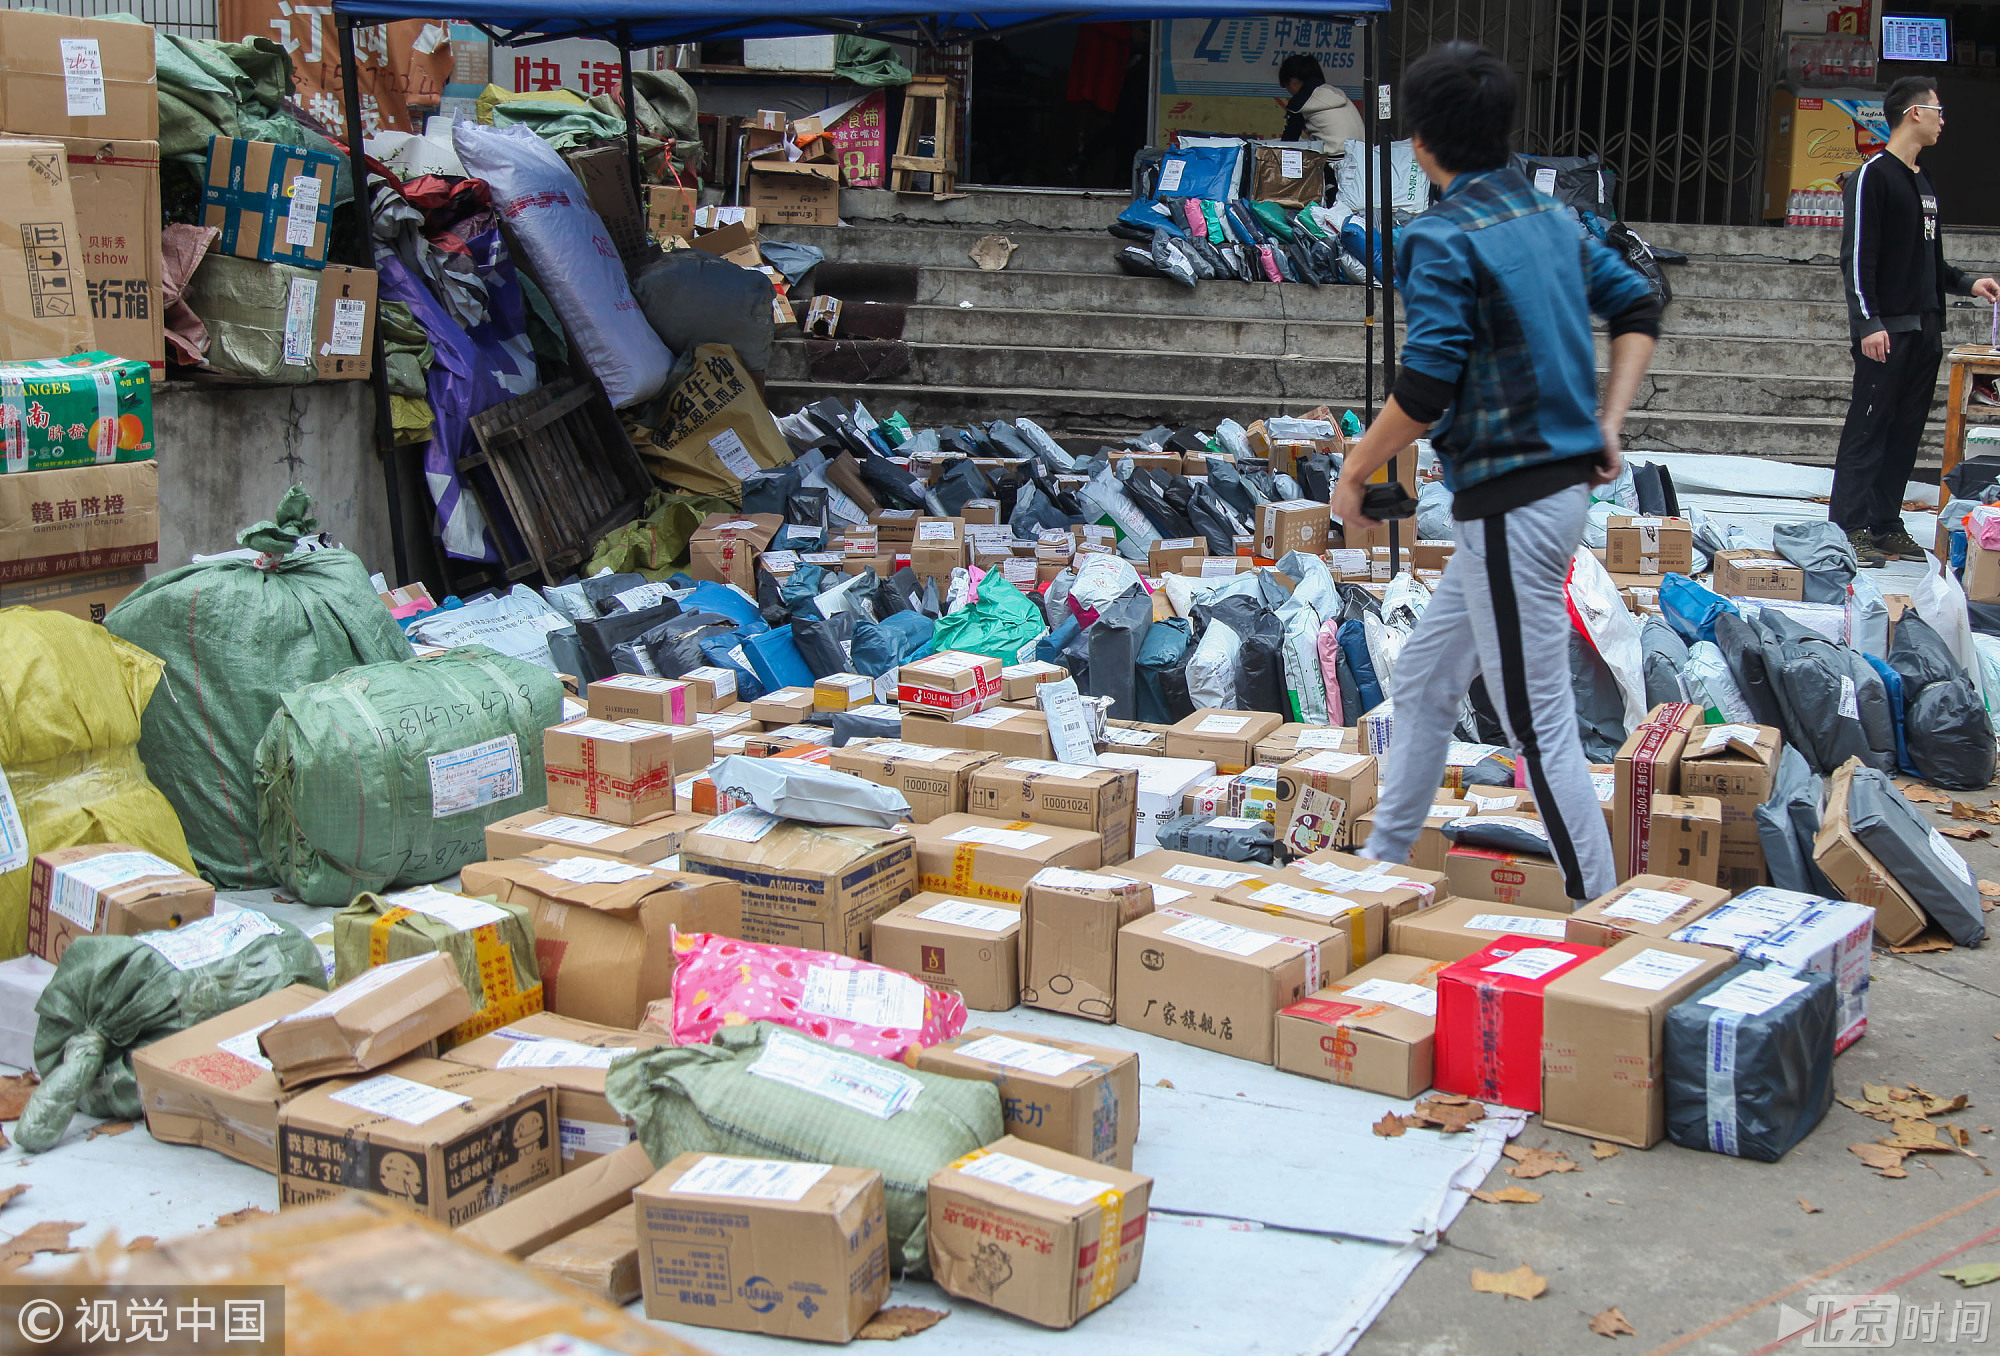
{"x":940,"y":96}
{"x":1964,"y":363}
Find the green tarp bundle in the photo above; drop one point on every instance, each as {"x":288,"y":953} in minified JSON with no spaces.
{"x":230,"y":89}
{"x":656,"y":544}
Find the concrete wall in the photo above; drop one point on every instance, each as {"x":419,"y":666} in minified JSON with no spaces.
{"x":228,"y":453}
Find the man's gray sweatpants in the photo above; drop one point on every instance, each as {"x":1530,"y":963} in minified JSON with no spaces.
{"x":1500,"y":611}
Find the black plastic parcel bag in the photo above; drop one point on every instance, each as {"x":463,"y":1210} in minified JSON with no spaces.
{"x":1749,"y":1061}
{"x":1787,"y":824}
{"x":1224,"y":837}
{"x":1115,"y":641}
{"x":1916,"y":856}
{"x":1945,"y":724}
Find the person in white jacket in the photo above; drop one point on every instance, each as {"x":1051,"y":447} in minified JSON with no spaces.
{"x":1316,"y":111}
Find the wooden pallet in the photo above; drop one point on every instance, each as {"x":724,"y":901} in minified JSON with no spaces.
{"x":566,"y":474}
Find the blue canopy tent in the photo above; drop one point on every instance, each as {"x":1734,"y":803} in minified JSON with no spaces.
{"x":645,"y":23}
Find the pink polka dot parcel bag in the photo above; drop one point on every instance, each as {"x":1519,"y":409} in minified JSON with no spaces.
{"x":722,"y":981}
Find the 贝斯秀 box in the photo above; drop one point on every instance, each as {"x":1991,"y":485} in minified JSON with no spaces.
{"x":1065,"y":1095}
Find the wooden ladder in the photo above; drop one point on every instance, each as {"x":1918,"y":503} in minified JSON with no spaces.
{"x":940,"y":95}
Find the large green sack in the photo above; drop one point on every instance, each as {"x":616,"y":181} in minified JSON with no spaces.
{"x":706,"y":1099}
{"x":388,"y":774}
{"x":1001,"y":622}
{"x":111,"y":995}
{"x":235,"y":636}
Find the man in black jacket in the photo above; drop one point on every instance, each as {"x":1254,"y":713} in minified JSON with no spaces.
{"x":1893,"y":268}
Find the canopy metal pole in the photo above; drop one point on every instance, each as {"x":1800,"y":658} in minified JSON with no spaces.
{"x":385,"y":431}
{"x":1368,"y":217}
{"x":1383,"y":110}
{"x":631,"y":111}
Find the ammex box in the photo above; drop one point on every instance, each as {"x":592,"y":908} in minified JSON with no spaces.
{"x":570,"y":1057}
{"x":537,"y":833}
{"x":1218,"y":981}
{"x":1100,"y":800}
{"x":1456,"y":928}
{"x":1069,"y":938}
{"x":1737,"y":765}
{"x":1161,"y":784}
{"x":1645,"y":906}
{"x":803,"y":885}
{"x":1603,"y":1047}
{"x":449,"y":1141}
{"x":1065,"y":1095}
{"x":78,"y":519}
{"x":1758,"y":574}
{"x":211,"y":1086}
{"x":108,"y":889}
{"x":604,"y":928}
{"x":1489,"y":1026}
{"x":935,"y":781}
{"x":970,"y":857}
{"x":796,"y":1250}
{"x":1035,"y":1233}
{"x":1372,"y":1029}
{"x":971,"y":948}
{"x":1227,"y":739}
{"x":950,"y":685}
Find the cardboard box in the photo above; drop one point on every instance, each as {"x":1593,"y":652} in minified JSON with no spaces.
{"x":1737,"y":765}
{"x":971,"y":857}
{"x":1320,"y":796}
{"x":1489,"y":1022}
{"x":344,"y":324}
{"x":1176,"y":555}
{"x":1099,"y":800}
{"x":1506,"y":878}
{"x":1456,"y":928}
{"x":1020,"y":682}
{"x":800,"y":193}
{"x":785,"y":706}
{"x":604,"y":929}
{"x":70,"y":77}
{"x":724,"y":549}
{"x":538,"y":833}
{"x":370,"y":1021}
{"x":670,"y":211}
{"x":1201,"y":877}
{"x":1218,"y":981}
{"x":600,"y":1259}
{"x":210,"y":1086}
{"x":1858,"y":874}
{"x":85,"y":518}
{"x":1833,"y":938}
{"x":43,"y":290}
{"x":1069,"y":939}
{"x":938,"y":548}
{"x":1404,"y":889}
{"x":1685,"y":837}
{"x":1648,"y":546}
{"x":272,"y":203}
{"x":579,"y":1198}
{"x":710,"y":688}
{"x":1603,"y":1025}
{"x":571,"y":1057}
{"x":1288,"y":525}
{"x":1431,"y":845}
{"x":108,"y":890}
{"x":89,"y":596}
{"x":1757,"y":574}
{"x":1645,"y":906}
{"x":970,"y":948}
{"x":450,"y":1142}
{"x":1982,"y":573}
{"x":1293,"y":740}
{"x":934,"y":781}
{"x":1227,"y":739}
{"x":1015,"y":732}
{"x":1648,"y":765}
{"x":1077,"y":1230}
{"x":115,"y":186}
{"x":842,"y":692}
{"x":1372,"y":1029}
{"x":950,"y":685}
{"x":806,"y":886}
{"x":796,"y":1250}
{"x":1063,"y":1095}
{"x":617,"y":772}
{"x":1361,"y":920}
{"x":633,"y":696}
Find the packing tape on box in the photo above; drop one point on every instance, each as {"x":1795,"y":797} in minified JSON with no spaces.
{"x":595,"y":784}
{"x":1488,"y":1024}
{"x":1721,"y":1098}
{"x":1110,"y":1233}
{"x":960,"y":881}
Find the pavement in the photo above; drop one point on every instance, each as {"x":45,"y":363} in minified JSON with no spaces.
{"x":1705,"y":1254}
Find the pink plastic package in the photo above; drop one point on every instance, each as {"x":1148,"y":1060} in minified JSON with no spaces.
{"x":721,"y":981}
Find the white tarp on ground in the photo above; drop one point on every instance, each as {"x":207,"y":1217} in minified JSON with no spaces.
{"x":1717,"y":474}
{"x":1281,"y":1223}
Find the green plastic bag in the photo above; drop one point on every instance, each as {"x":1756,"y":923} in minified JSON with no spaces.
{"x":388,"y":774}
{"x":111,"y":995}
{"x":235,"y":635}
{"x":1001,"y":622}
{"x":746,"y":1093}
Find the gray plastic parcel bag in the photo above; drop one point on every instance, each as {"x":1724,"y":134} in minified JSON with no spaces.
{"x":808,"y":792}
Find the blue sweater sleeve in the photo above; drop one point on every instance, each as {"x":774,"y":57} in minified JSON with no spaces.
{"x":1615,"y":286}
{"x":1434,"y":263}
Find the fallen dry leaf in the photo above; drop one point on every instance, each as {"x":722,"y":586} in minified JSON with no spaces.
{"x":9,"y":1193}
{"x":1533,"y":1163}
{"x":51,"y":1235}
{"x":1934,"y":1105}
{"x":901,"y":1320}
{"x":1164,"y":1083}
{"x":1963,"y":833}
{"x":1976,"y":1273}
{"x":1879,"y":1093}
{"x":1390,"y":1126}
{"x":1917,"y":791}
{"x":1508,"y":1196}
{"x":1990,"y":889}
{"x":1521,"y":1283}
{"x":243,"y":1216}
{"x":1808,"y":1206}
{"x":14,"y":1095}
{"x":143,"y":1243}
{"x":1447,"y":1113}
{"x":1929,"y":942}
{"x":1600,"y":1150}
{"x":1870,"y":1109}
{"x":1611,"y":1323}
{"x":108,"y":1128}
{"x":1886,"y":1162}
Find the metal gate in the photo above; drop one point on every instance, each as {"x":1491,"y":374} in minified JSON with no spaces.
{"x":186,"y":18}
{"x":1670,"y":93}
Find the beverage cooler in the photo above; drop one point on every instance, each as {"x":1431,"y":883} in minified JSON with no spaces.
{"x":1816,"y":136}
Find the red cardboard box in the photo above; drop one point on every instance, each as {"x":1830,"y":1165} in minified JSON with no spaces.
{"x":1489,"y":1019}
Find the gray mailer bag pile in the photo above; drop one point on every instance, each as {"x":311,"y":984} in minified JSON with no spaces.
{"x":1821,"y":550}
{"x":1229,"y":838}
{"x":1917,"y":855}
{"x":769,"y":1093}
{"x":1749,"y":1061}
{"x":1787,"y":825}
{"x":1944,"y":722}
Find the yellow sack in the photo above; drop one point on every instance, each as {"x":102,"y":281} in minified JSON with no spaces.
{"x":716,"y":432}
{"x":71,"y":695}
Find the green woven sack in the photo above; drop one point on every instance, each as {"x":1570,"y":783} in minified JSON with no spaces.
{"x":490,"y":941}
{"x":707,"y":1099}
{"x":234,"y":635}
{"x":111,"y":995}
{"x":389,"y":774}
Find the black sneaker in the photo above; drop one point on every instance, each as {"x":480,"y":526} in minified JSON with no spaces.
{"x":1898,"y":545}
{"x":1866,"y":553}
